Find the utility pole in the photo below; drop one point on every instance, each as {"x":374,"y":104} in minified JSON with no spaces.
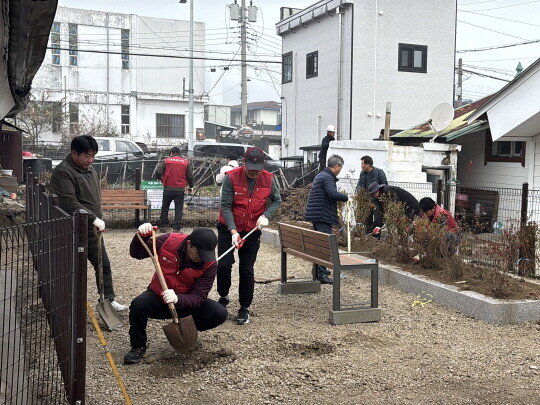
{"x":243,"y":86}
{"x":190,"y":124}
{"x":460,"y":83}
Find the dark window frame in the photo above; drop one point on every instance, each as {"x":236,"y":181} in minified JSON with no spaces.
{"x":55,"y":43}
{"x":124,"y":119}
{"x":73,"y":118}
{"x":56,"y":116}
{"x":312,"y":64}
{"x":166,"y":125}
{"x":124,"y":34}
{"x":286,"y":61}
{"x":409,"y":66}
{"x":73,"y":32}
{"x":490,"y":157}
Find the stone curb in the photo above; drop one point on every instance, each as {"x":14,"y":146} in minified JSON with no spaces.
{"x":473,"y":304}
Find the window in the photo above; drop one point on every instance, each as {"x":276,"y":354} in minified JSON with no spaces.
{"x":170,"y":126}
{"x":73,"y":44}
{"x":286,"y":68}
{"x":56,"y":116}
{"x":504,"y":151}
{"x":125,"y":120}
{"x":412,"y":58}
{"x":125,"y":49}
{"x":73,"y":118}
{"x":55,"y":43}
{"x":312,"y":64}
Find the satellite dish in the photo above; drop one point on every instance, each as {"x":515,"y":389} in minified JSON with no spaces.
{"x":440,"y":118}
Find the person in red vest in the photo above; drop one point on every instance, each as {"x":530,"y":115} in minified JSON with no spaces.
{"x":437,"y":215}
{"x":244,"y":195}
{"x":189,"y":266}
{"x":175,"y":174}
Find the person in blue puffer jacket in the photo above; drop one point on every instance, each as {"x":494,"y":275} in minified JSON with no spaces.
{"x":321,"y":208}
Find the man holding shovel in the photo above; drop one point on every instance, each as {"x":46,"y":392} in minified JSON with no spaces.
{"x":77,"y":186}
{"x":244,"y":197}
{"x":188,"y":264}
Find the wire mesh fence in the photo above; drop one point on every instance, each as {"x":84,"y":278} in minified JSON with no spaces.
{"x":38,"y":348}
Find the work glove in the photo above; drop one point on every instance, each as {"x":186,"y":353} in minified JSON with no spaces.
{"x":236,"y":240}
{"x":169,"y":296}
{"x":262,"y":222}
{"x":99,"y":224}
{"x":146,"y":229}
{"x":376,"y":230}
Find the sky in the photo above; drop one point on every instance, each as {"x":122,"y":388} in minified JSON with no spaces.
{"x":497,"y":24}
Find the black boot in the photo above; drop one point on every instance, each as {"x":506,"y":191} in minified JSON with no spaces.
{"x":324,"y":279}
{"x":135,"y":355}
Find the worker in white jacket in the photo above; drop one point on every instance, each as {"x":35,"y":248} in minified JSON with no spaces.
{"x":231,"y":164}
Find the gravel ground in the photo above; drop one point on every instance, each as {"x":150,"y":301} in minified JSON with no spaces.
{"x":289,"y":353}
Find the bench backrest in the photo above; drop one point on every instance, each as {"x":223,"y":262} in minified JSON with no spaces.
{"x":317,"y":247}
{"x":123,"y":197}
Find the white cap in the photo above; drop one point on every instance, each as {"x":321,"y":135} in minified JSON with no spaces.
{"x":330,"y":128}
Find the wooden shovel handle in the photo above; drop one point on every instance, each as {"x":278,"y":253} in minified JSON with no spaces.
{"x":162,"y":281}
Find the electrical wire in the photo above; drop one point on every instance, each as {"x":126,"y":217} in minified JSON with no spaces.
{"x":484,"y":75}
{"x":499,"y":18}
{"x":511,"y":5}
{"x":489,"y":29}
{"x":489,"y":48}
{"x":157,"y":56}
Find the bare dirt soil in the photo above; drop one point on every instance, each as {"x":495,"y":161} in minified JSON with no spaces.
{"x":290,"y":354}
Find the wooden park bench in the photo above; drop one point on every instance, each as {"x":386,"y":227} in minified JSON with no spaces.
{"x":321,"y":248}
{"x":126,"y":200}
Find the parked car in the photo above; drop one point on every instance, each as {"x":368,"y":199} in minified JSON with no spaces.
{"x":118,"y":149}
{"x":218,"y":149}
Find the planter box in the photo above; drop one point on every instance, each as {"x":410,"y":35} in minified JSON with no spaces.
{"x":476,"y":305}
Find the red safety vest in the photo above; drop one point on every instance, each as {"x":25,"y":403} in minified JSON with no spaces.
{"x":181,"y":281}
{"x":451,"y":222}
{"x":175,"y":172}
{"x":247,"y":209}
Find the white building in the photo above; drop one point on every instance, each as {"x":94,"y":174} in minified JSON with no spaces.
{"x":95,"y":73}
{"x":343,"y":61}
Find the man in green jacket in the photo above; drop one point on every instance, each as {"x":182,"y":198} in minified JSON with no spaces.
{"x":77,"y":186}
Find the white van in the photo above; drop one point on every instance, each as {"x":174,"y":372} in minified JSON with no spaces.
{"x":118,"y":149}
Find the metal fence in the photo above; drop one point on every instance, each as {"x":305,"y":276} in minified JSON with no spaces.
{"x":43,"y":305}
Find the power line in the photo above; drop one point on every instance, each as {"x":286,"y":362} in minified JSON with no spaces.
{"x":159,"y":56}
{"x":499,"y":18}
{"x":533,"y":41}
{"x":484,"y":75}
{"x":488,"y":29}
{"x":511,"y":5}
{"x":478,"y":2}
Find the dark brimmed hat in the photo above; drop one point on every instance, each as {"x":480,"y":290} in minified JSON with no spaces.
{"x":254,"y":159}
{"x":374,"y":187}
{"x":205,"y":240}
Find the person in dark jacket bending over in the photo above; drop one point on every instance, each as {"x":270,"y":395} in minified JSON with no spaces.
{"x":77,"y":186}
{"x":412,"y":209}
{"x":368,"y":175}
{"x":325,"y":144}
{"x":188,"y":263}
{"x":244,"y":195}
{"x":321,"y":208}
{"x":175,"y":173}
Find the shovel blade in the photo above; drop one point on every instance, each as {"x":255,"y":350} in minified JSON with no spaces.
{"x":109,"y":315}
{"x":182,"y":336}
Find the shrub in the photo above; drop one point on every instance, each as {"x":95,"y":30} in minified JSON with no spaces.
{"x":398,"y":227}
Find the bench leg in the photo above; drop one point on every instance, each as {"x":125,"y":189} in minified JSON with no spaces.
{"x":283,"y":267}
{"x":375,"y":286}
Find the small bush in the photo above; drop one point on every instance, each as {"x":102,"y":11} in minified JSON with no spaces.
{"x":398,"y":227}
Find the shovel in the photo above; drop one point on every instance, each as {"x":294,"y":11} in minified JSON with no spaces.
{"x":181,"y":332}
{"x":104,"y":307}
{"x":239,"y":245}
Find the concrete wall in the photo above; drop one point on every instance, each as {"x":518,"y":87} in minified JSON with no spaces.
{"x":379,"y":27}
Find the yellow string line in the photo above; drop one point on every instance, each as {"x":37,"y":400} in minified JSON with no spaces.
{"x":108,"y":353}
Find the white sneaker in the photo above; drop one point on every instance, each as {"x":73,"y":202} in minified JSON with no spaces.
{"x":118,"y":307}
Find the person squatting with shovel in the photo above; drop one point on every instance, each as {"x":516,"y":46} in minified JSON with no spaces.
{"x":188,"y":264}
{"x":244,"y":196}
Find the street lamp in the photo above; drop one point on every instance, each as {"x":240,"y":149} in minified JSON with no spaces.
{"x":190,"y":90}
